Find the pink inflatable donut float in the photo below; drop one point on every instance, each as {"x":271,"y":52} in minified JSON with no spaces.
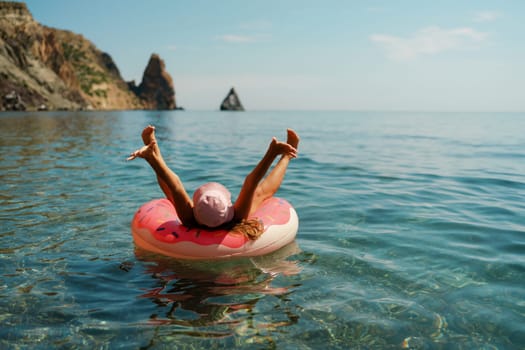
{"x":157,"y":228}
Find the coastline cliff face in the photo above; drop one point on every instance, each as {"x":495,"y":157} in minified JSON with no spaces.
{"x":47,"y":68}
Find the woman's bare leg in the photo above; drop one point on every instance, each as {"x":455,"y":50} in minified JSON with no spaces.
{"x":269,"y":185}
{"x":148,"y":136}
{"x":249,"y":194}
{"x":177,"y":193}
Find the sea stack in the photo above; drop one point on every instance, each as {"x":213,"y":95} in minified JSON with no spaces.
{"x":156,"y":90}
{"x":232,"y":102}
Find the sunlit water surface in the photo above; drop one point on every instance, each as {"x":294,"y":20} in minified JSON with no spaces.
{"x":412,"y":233}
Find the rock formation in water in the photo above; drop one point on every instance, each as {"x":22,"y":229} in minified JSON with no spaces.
{"x":156,"y":89}
{"x":48,"y":68}
{"x":232,"y":102}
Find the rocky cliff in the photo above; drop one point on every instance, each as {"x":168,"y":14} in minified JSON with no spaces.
{"x":232,"y":102}
{"x":156,"y":89}
{"x":49,"y":68}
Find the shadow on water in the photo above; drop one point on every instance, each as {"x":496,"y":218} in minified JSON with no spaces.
{"x":216,"y":299}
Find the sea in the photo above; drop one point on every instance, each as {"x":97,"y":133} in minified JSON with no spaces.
{"x":411,"y":233}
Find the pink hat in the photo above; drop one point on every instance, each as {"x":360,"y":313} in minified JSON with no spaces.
{"x":212,"y":205}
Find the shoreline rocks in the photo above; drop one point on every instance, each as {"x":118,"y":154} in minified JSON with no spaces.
{"x":13,"y":102}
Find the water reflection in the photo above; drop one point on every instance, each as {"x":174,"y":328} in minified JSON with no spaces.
{"x":222,"y":294}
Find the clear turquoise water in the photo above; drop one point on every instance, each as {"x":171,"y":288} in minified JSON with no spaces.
{"x":412,"y":233}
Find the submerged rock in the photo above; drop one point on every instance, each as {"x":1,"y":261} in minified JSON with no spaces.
{"x":232,"y":102}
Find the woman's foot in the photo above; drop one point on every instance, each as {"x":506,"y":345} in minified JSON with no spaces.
{"x":150,"y":142}
{"x":292,"y":138}
{"x":146,"y":152}
{"x":148,"y":134}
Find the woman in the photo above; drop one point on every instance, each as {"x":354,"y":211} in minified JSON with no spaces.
{"x":211,"y":205}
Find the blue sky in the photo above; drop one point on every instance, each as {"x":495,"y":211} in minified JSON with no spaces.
{"x":461,"y":55}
